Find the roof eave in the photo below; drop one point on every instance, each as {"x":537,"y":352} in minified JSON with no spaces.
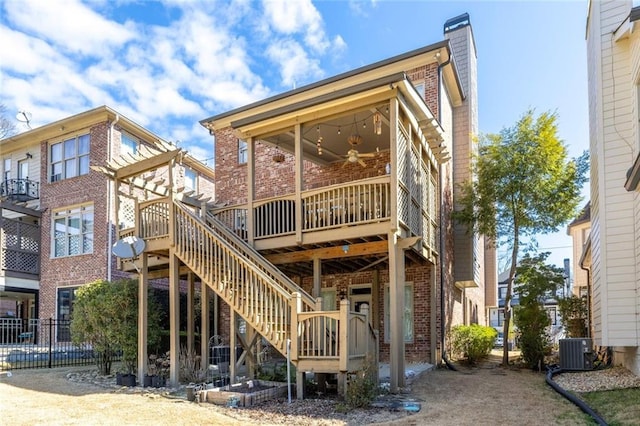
{"x":399,"y":63}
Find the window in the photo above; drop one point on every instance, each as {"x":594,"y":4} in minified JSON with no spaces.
{"x":328,"y":295}
{"x":128,"y":145}
{"x":408,"y":313}
{"x":65,"y":309}
{"x":502,"y":293}
{"x":553,"y":316}
{"x":420,"y":88}
{"x":6,"y":169}
{"x":242,"y":151}
{"x":70,"y":158}
{"x":73,"y":231}
{"x":190,"y":179}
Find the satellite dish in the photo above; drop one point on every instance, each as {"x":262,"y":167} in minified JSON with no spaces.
{"x":128,"y":247}
{"x":24,"y":117}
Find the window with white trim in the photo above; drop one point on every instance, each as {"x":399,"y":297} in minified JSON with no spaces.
{"x":72,"y":231}
{"x":407,"y":319}
{"x":6,"y":171}
{"x":242,"y":151}
{"x":190,"y":179}
{"x":69,"y":158}
{"x":420,"y":88}
{"x":128,"y":144}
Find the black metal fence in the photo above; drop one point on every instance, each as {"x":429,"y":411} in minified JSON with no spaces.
{"x":39,"y":343}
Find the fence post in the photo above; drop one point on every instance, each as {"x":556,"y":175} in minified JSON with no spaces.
{"x":50,"y":340}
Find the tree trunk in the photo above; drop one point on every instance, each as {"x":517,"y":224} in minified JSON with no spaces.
{"x":507,"y":299}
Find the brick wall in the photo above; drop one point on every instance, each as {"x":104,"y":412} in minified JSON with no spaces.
{"x":90,"y":188}
{"x":278,"y":178}
{"x":428,"y":74}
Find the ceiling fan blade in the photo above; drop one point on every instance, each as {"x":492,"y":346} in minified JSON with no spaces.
{"x":345,"y":163}
{"x":362,"y":163}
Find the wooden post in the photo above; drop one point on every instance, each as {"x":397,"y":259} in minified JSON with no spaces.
{"x":296,"y":307}
{"x":251,"y":184}
{"x":190,"y":311}
{"x":396,"y":314}
{"x":299,"y":171}
{"x":143,"y":281}
{"x":174,"y":317}
{"x":205,"y":334}
{"x":232,"y":346}
{"x":317,"y":277}
{"x":343,"y":365}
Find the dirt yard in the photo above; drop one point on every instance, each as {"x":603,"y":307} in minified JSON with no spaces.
{"x":487,"y":395}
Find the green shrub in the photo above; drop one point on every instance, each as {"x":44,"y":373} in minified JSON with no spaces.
{"x":361,"y":387}
{"x":472,"y":342}
{"x":532,"y":321}
{"x":574,"y":312}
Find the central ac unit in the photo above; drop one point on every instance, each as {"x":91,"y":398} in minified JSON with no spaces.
{"x":576,"y":354}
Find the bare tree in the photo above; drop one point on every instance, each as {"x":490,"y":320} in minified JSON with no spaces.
{"x":7,"y":127}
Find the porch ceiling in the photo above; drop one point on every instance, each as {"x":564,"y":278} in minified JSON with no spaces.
{"x":336,"y":256}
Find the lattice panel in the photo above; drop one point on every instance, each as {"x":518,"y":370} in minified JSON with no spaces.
{"x":20,"y":235}
{"x":426,"y":231}
{"x":416,"y":216}
{"x":19,"y":261}
{"x":402,"y":158}
{"x":126,"y":213}
{"x":414,"y":175}
{"x":403,"y":205}
{"x":433,"y":198}
{"x":424,"y":189}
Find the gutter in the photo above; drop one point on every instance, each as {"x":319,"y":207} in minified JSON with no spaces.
{"x":110,"y":203}
{"x":441,"y":226}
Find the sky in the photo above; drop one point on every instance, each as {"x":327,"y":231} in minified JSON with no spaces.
{"x":167,"y":65}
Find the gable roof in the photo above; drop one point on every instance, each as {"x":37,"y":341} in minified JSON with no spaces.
{"x":438,"y":52}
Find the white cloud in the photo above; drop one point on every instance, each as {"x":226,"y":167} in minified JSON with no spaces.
{"x":69,"y":24}
{"x":295,"y":65}
{"x":290,"y":17}
{"x":64,"y":57}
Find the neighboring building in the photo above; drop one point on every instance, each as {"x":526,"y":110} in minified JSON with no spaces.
{"x":579,"y":230}
{"x":550,"y":303}
{"x":613,"y":58}
{"x":58,"y":215}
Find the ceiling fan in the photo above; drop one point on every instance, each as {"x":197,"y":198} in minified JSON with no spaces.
{"x":353,"y":156}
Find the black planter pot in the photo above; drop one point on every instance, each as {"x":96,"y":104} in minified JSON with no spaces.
{"x":158,"y":381}
{"x":128,"y":380}
{"x":119,"y":379}
{"x":148,"y":380}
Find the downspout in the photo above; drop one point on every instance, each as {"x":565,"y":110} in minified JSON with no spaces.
{"x":110,"y":200}
{"x":588,"y":271}
{"x":441,"y":226}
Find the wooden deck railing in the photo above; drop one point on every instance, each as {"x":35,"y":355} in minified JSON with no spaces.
{"x":153,"y":218}
{"x":257,"y":259}
{"x":355,"y":203}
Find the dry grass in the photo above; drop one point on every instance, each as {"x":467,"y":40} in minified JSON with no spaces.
{"x":486,"y":395}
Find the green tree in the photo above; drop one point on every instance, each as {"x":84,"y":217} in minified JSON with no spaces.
{"x":105,"y":315}
{"x":523,"y":185}
{"x":535,"y":282}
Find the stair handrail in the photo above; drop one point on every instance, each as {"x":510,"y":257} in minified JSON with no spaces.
{"x":268,"y":267}
{"x":234,"y":250}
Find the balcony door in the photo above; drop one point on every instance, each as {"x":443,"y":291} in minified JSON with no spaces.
{"x":23,"y":175}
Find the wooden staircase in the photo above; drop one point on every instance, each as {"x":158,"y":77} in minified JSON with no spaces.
{"x":277,"y":308}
